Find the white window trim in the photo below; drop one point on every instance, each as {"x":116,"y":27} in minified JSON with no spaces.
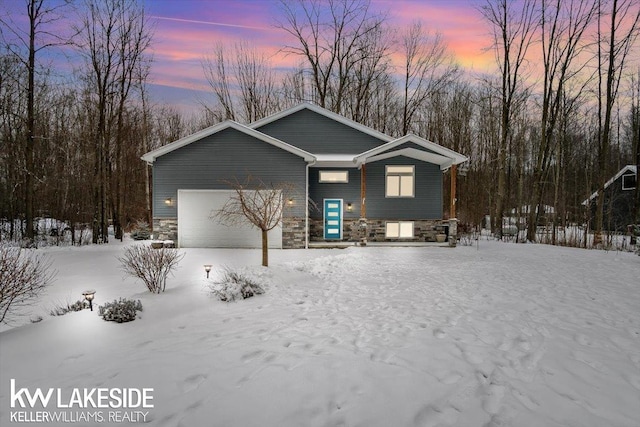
{"x":400,"y":174}
{"x":628,"y":188}
{"x":325,"y":181}
{"x":399,"y":236}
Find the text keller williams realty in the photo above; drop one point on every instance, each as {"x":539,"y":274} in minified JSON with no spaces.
{"x":123,"y":405}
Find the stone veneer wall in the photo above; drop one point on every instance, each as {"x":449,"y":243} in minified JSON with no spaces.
{"x":374,"y":230}
{"x":354,"y":230}
{"x":293,"y":231}
{"x":165,"y":229}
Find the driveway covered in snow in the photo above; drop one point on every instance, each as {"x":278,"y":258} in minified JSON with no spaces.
{"x":503,"y":335}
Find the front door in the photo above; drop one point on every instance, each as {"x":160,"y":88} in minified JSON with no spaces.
{"x":333,"y":219}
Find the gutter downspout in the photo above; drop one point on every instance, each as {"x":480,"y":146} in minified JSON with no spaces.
{"x":306,"y":204}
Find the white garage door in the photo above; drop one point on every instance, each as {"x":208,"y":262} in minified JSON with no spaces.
{"x":197,"y":230}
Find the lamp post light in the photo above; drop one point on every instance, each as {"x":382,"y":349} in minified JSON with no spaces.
{"x":89,"y":295}
{"x":207,"y":268}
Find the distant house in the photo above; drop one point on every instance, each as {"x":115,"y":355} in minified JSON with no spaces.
{"x":362,"y":184}
{"x":619,"y":192}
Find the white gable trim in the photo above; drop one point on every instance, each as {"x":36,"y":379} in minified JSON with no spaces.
{"x":151,"y":156}
{"x":425,"y":156}
{"x":629,"y":168}
{"x":454,"y":157}
{"x":324,"y":112}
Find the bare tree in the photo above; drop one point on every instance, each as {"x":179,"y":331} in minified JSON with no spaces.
{"x":26,"y":46}
{"x":256,"y":203}
{"x":114,"y":37}
{"x":427,"y":68}
{"x":331,"y":37}
{"x":23,"y":276}
{"x":634,"y":130}
{"x":243,"y":81}
{"x":219,"y":78}
{"x":513,"y":28}
{"x":563,"y":25}
{"x":624,"y":27}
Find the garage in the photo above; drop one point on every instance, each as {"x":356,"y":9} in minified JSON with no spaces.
{"x":197,"y":230}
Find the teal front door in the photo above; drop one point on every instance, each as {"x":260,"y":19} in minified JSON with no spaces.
{"x":332,"y":219}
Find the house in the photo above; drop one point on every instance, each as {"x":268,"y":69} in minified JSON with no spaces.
{"x":353,"y":183}
{"x":619,"y":193}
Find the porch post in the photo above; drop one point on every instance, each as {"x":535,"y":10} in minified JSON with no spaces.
{"x":362,"y":223}
{"x":363,"y":191}
{"x":453,"y":221}
{"x":452,"y":209}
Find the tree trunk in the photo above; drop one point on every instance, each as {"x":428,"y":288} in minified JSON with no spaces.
{"x":265,"y":249}
{"x":31,"y":125}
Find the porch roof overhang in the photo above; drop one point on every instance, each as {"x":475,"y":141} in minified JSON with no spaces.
{"x":425,"y":156}
{"x":151,"y":156}
{"x":335,"y":160}
{"x":433,"y":153}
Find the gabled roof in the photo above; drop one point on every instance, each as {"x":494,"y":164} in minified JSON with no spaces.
{"x":151,"y":156}
{"x":437,"y":154}
{"x":627,"y":169}
{"x":324,"y":112}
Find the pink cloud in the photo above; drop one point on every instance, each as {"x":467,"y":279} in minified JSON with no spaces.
{"x":186,"y":31}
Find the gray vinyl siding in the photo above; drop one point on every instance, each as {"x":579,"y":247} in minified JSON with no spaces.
{"x":318,"y":134}
{"x":228,"y":154}
{"x":348,"y":192}
{"x":427,"y":203}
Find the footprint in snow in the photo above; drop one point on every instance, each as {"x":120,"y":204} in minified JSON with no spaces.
{"x":439,"y":333}
{"x":193,"y":382}
{"x":494,"y":394}
{"x":432,"y":416}
{"x":248,"y":357}
{"x":526,"y":401}
{"x":634,"y":380}
{"x":472,"y":357}
{"x":450,"y":378}
{"x":582,"y":340}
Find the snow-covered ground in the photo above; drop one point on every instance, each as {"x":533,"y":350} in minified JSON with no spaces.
{"x":500,"y":335}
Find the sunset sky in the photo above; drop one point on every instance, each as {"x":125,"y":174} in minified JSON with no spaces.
{"x":187,"y":30}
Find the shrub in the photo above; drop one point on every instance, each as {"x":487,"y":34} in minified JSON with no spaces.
{"x":120,"y":311}
{"x":152,"y":266}
{"x":76,"y":306}
{"x":23,"y":275}
{"x":141,"y":231}
{"x":234,"y":285}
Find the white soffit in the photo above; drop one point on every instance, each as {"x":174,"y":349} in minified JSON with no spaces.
{"x":454,"y":157}
{"x":425,"y":156}
{"x":335,"y":160}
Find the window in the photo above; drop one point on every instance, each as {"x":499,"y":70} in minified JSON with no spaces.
{"x":399,"y":230}
{"x":400,"y":181}
{"x":629,"y":181}
{"x":334,"y":176}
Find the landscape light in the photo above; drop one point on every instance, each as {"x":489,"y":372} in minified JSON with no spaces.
{"x":207,"y":268}
{"x":88,"y":295}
